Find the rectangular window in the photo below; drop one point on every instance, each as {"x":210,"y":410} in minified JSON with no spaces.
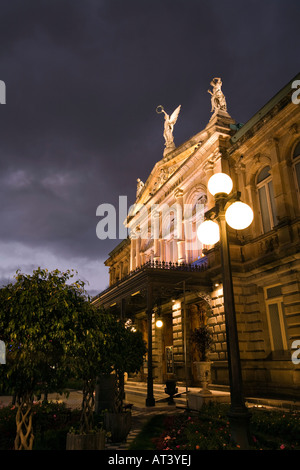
{"x":264,"y":209}
{"x":272,"y":202}
{"x":276,"y":318}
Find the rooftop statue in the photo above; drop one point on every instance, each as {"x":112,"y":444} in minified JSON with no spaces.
{"x":140,"y":186}
{"x":218,"y":101}
{"x":170,"y":121}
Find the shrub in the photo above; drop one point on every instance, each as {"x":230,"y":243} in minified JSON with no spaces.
{"x":51,"y":422}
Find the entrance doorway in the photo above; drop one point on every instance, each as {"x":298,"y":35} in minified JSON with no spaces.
{"x":167,"y":346}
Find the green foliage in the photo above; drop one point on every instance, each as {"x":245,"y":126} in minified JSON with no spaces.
{"x":202,"y":339}
{"x":51,"y":423}
{"x":38,"y":318}
{"x":53,"y":333}
{"x":123,"y":352}
{"x":126,"y":347}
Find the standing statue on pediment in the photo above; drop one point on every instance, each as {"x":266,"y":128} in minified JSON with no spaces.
{"x":139,"y":187}
{"x":218,"y":101}
{"x":170,"y":121}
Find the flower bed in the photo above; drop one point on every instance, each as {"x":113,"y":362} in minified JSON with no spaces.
{"x":209,"y":430}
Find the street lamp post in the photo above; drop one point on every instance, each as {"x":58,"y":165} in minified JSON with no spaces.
{"x":239,"y":415}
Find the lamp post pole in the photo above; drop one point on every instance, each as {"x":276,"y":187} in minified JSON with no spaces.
{"x":239,"y":415}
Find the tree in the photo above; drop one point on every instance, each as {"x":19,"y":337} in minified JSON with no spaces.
{"x":127,"y":351}
{"x":39,"y":314}
{"x":89,"y":358}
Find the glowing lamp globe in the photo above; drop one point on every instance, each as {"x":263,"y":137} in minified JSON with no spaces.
{"x":239,"y":215}
{"x":219,"y":183}
{"x":208,"y":232}
{"x":159,"y":323}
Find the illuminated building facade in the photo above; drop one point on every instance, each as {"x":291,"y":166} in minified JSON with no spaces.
{"x":162,"y":270}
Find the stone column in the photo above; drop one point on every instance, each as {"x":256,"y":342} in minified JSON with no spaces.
{"x":181,"y":258}
{"x":138,"y":252}
{"x":156,"y":254}
{"x":209,"y":171}
{"x":181,"y":251}
{"x":162,"y":249}
{"x":132,"y":254}
{"x":168,"y":251}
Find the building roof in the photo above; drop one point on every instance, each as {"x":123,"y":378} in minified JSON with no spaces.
{"x":285,"y":91}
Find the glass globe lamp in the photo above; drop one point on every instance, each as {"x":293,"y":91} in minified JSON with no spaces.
{"x":219,"y":183}
{"x":159,"y":323}
{"x":208,"y":232}
{"x":239,"y":215}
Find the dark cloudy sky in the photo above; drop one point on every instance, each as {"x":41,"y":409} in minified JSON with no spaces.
{"x":83,"y":80}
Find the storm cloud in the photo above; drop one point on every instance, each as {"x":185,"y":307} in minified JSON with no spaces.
{"x":83,"y":80}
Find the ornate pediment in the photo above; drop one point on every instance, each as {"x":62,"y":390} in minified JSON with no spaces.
{"x":163,"y":175}
{"x":162,"y":172}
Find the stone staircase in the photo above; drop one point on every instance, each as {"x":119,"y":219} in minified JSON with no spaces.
{"x":136,"y":392}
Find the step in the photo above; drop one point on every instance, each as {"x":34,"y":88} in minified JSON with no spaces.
{"x":139,"y":390}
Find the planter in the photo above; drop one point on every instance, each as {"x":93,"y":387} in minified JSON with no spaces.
{"x":118,"y":424}
{"x":90,"y":441}
{"x":171,"y":390}
{"x":204,"y":375}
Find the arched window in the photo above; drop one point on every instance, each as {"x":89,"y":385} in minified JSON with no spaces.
{"x":266,"y":199}
{"x":296,"y":168}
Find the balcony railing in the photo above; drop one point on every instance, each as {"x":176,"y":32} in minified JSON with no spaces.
{"x":199,"y":266}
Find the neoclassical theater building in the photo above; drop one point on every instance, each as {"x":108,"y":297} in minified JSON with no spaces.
{"x":162,"y":271}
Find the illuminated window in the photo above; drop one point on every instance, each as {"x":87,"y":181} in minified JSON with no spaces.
{"x":266,"y":199}
{"x":276,"y":318}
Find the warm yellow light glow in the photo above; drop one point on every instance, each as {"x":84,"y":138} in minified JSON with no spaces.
{"x":159,"y":323}
{"x":219,"y":183}
{"x":208,"y":232}
{"x":239,"y":215}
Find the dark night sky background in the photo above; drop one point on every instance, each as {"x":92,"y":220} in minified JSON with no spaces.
{"x":83,"y":80}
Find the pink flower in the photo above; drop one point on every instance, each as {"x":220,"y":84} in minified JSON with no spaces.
{"x":282,"y":446}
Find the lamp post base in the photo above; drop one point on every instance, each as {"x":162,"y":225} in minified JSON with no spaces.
{"x":239,"y":427}
{"x":150,"y":401}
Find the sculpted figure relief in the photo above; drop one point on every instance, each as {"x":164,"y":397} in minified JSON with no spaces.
{"x":170,"y":121}
{"x":217,"y":97}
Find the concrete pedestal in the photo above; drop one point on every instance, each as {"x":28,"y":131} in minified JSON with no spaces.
{"x":197,"y":400}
